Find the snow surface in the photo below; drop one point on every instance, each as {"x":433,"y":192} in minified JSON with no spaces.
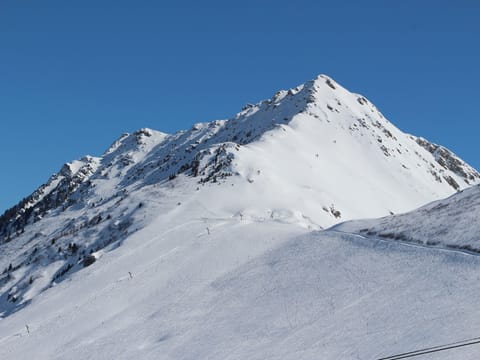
{"x":452,"y":223}
{"x":206,"y":242}
{"x":252,"y":290}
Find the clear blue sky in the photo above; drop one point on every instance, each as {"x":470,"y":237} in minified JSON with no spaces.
{"x":74,"y":75}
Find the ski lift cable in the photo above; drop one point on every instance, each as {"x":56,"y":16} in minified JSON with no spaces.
{"x":433,"y":349}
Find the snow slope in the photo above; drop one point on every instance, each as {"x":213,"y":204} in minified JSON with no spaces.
{"x":452,"y":223}
{"x":252,"y":290}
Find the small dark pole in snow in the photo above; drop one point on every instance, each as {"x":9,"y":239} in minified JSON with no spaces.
{"x":208,"y":231}
{"x":28,"y":329}
{"x":130,"y":274}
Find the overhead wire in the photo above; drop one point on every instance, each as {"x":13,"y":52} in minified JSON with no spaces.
{"x":433,"y":349}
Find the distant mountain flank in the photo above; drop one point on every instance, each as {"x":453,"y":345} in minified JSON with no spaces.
{"x":450,"y":223}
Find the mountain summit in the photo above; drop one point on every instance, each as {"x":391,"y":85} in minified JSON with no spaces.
{"x":313,"y":156}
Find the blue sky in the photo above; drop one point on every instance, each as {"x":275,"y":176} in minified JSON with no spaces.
{"x":75,"y":75}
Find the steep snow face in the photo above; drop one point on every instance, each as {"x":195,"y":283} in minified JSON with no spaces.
{"x":450,"y":223}
{"x":312,"y":156}
{"x":328,"y":155}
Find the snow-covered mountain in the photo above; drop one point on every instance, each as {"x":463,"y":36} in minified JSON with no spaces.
{"x":318,"y":138}
{"x":222,"y":203}
{"x":314,"y":155}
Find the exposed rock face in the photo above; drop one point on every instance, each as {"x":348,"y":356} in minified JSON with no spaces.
{"x":449,"y":161}
{"x":55,"y":193}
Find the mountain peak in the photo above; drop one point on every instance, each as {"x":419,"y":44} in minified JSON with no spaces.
{"x":322,"y":78}
{"x":72,"y":168}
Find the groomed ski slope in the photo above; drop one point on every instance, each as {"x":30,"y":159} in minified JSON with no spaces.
{"x":252,"y":290}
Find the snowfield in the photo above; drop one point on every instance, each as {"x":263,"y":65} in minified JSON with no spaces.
{"x":450,"y":223}
{"x":210,"y":243}
{"x":253,"y":290}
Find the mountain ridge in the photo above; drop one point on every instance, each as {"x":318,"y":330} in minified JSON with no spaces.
{"x":227,"y":140}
